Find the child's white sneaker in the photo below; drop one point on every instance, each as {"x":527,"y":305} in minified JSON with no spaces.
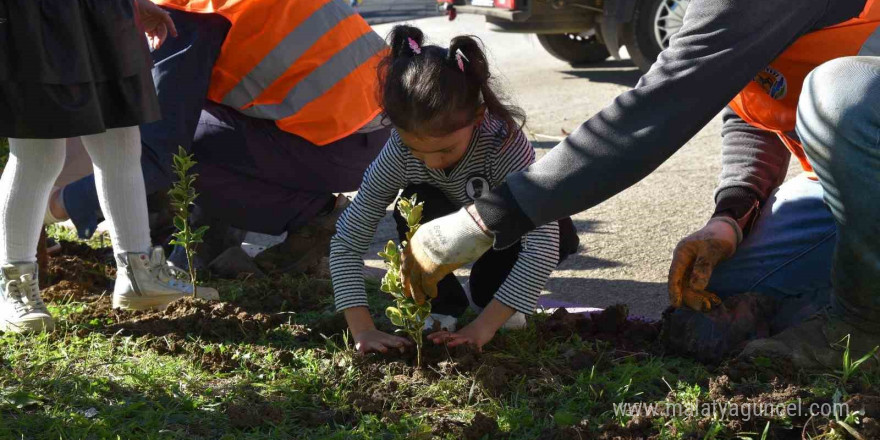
{"x":21,"y":307}
{"x":515,"y":322}
{"x":145,"y":282}
{"x":446,"y":322}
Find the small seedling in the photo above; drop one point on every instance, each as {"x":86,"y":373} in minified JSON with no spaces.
{"x":183,"y":194}
{"x":406,"y":313}
{"x":851,"y":366}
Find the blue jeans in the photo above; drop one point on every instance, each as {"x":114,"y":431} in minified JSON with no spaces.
{"x":182,"y":75}
{"x":787,"y":255}
{"x":818,"y":243}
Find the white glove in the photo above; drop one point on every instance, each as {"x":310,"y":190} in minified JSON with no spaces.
{"x":438,"y":248}
{"x":455,"y":238}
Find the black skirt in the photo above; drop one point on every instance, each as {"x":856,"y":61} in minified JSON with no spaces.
{"x":72,"y":68}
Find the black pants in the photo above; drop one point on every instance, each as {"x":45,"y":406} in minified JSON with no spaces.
{"x":489,"y":271}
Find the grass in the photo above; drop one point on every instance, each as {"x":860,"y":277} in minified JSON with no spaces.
{"x":86,"y":381}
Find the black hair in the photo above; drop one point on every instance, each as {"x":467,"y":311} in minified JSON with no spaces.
{"x":428,"y":93}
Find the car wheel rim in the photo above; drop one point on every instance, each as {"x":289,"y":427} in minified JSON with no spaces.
{"x":668,"y":20}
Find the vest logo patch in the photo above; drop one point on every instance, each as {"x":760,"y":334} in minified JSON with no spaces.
{"x":773,"y":82}
{"x":477,"y":186}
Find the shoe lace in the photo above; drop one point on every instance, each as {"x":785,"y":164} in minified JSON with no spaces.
{"x":25,"y":294}
{"x":169,"y":274}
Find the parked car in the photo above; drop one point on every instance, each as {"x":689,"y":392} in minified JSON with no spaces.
{"x":584,"y":31}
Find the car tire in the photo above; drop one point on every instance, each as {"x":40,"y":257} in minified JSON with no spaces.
{"x":574,"y":49}
{"x":648,"y":33}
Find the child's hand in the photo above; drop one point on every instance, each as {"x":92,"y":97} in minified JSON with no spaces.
{"x":157,"y":23}
{"x":479,"y":332}
{"x":476,"y":333}
{"x":374,"y":340}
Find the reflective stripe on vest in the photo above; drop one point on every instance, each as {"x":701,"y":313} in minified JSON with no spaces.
{"x":285,"y":54}
{"x":871,"y":48}
{"x":315,"y":84}
{"x":297,"y":62}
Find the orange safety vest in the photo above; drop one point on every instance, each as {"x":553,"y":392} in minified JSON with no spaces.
{"x":308,"y":65}
{"x":770,"y":101}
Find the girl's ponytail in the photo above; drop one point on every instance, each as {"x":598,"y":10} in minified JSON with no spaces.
{"x":400,"y":38}
{"x":476,"y":67}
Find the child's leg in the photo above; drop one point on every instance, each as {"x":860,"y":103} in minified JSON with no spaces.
{"x":143,"y":279}
{"x":490,"y":271}
{"x":568,"y":239}
{"x":116,"y":155}
{"x":451,"y":299}
{"x":33,"y":166}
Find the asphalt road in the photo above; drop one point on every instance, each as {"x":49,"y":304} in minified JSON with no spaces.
{"x":387,"y":11}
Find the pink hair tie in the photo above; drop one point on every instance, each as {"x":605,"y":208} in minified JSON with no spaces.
{"x":460,"y":58}
{"x":414,"y":46}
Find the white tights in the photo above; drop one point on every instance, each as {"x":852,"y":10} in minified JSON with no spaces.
{"x":33,"y":166}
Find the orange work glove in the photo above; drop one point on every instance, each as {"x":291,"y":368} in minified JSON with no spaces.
{"x":695,"y":258}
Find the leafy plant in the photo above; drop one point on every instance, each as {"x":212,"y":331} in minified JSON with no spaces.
{"x":850,"y":366}
{"x":407,"y":314}
{"x":183,"y":194}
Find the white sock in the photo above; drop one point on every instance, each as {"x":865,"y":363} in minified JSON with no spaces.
{"x":116,"y":155}
{"x":33,"y":166}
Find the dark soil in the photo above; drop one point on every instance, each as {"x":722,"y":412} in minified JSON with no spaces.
{"x":78,"y":272}
{"x":388,"y":384}
{"x":612,"y":324}
{"x":274,"y":294}
{"x":482,"y":426}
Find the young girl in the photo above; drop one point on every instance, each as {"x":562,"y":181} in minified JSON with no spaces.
{"x":73,"y":68}
{"x":453,"y":140}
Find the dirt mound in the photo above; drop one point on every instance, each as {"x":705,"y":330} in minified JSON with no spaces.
{"x":612,"y":324}
{"x":195,"y":317}
{"x":714,"y":336}
{"x":78,"y":272}
{"x":481,"y":427}
{"x":281,"y":293}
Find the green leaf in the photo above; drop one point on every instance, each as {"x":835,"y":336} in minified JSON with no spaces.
{"x":424,"y":312}
{"x":385,"y":287}
{"x":179,"y":223}
{"x":391,"y":248}
{"x":23,"y":399}
{"x":565,"y":418}
{"x":394,"y":314}
{"x":763,"y":362}
{"x":415,"y":216}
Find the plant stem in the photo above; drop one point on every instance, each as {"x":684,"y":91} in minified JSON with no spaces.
{"x":419,"y":349}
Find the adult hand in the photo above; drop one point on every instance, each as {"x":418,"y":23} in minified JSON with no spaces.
{"x":693,"y":261}
{"x":157,"y":23}
{"x":475,"y":334}
{"x":438,"y":248}
{"x":374,"y":340}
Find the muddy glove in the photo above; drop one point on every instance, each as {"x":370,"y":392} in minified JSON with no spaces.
{"x":695,"y":258}
{"x":438,"y":248}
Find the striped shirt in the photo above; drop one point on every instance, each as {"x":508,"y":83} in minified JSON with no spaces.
{"x":396,"y":168}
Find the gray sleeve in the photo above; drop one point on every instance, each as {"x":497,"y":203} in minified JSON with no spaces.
{"x":753,"y":163}
{"x":720,"y":47}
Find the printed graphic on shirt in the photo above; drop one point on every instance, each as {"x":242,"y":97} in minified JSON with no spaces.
{"x":477,"y":186}
{"x":773,"y":82}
